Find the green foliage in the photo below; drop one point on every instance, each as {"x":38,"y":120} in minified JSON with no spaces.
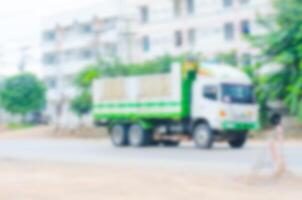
{"x":283,"y":45}
{"x":19,"y":126}
{"x":229,"y":58}
{"x":84,"y":78}
{"x":22,"y":94}
{"x":82,"y":104}
{"x":159,"y":65}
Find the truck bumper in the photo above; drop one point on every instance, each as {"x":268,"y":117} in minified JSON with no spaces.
{"x":240,"y":126}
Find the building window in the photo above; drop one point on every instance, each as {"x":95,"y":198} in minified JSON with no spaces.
{"x":146,"y":44}
{"x":86,"y":54}
{"x":191,"y":6}
{"x":192,"y":37}
{"x":49,"y":36}
{"x":246,"y":59}
{"x":244,"y":2}
{"x":227,"y":3}
{"x":177,"y":8}
{"x":51,"y":82}
{"x":50,"y":59}
{"x":69,"y":55}
{"x":144,"y":12}
{"x":245,"y":27}
{"x":86,"y":28}
{"x":178,"y":39}
{"x":229,"y":31}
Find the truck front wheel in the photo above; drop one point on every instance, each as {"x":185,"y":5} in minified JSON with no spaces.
{"x":118,"y":134}
{"x":238,"y":140}
{"x":203,"y":136}
{"x":138,"y":136}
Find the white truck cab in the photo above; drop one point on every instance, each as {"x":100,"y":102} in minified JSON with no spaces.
{"x":223,"y":97}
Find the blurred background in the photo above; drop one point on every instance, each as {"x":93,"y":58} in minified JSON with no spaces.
{"x":51,"y":51}
{"x":65,"y":42}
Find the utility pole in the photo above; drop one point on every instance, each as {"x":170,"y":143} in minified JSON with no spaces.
{"x":60,"y":102}
{"x":126,"y":30}
{"x":97,"y":24}
{"x":23,"y":59}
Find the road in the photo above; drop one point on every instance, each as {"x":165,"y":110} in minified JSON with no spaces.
{"x":101,"y":152}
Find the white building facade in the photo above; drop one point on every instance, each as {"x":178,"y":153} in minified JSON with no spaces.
{"x":209,"y":27}
{"x":71,"y":42}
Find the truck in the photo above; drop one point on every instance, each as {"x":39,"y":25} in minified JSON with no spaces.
{"x":202,"y":103}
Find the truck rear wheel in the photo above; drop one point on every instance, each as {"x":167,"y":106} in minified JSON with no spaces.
{"x":138,"y":136}
{"x":203,"y":136}
{"x":119,"y":135}
{"x":238,"y":141}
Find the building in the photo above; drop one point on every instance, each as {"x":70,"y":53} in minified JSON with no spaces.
{"x":140,"y":30}
{"x":209,"y":27}
{"x":73,"y":40}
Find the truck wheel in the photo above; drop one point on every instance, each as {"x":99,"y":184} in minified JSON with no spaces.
{"x":203,"y":136}
{"x":138,"y":136}
{"x":238,"y":140}
{"x":118,"y":134}
{"x":171,"y":143}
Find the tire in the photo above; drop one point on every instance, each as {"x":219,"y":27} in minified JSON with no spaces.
{"x":203,"y":136}
{"x":171,"y":143}
{"x":119,"y":135}
{"x":238,"y":141}
{"x":138,"y":136}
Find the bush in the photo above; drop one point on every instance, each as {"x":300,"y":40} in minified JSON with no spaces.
{"x":81,"y":104}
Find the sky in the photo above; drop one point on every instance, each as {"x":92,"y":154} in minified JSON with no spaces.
{"x":20,"y":25}
{"x":18,"y":19}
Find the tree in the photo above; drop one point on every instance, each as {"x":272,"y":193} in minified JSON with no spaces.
{"x":22,"y":94}
{"x":81,"y":104}
{"x":85,"y":77}
{"x":283,"y":45}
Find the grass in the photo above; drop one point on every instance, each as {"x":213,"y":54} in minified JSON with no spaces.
{"x":19,"y":126}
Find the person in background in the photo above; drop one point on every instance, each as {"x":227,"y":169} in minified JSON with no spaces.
{"x":272,"y":157}
{"x":276,"y":145}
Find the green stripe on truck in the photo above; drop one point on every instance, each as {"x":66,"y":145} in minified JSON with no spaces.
{"x":138,"y":105}
{"x":240,"y":126}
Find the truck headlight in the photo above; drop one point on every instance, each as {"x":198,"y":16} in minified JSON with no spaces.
{"x":222,"y":114}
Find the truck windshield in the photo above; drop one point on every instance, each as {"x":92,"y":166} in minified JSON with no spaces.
{"x":234,"y":93}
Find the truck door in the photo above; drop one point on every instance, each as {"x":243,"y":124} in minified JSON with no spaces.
{"x":205,"y":102}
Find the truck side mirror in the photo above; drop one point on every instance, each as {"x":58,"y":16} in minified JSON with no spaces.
{"x":210,"y":92}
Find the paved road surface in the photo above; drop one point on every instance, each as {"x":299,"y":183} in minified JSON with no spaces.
{"x":101,"y":152}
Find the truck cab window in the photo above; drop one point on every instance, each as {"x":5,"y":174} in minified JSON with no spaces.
{"x":240,"y":94}
{"x":210,"y":92}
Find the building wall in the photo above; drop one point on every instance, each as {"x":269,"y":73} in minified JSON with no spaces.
{"x":73,"y":41}
{"x":202,"y":27}
{"x":139,"y":30}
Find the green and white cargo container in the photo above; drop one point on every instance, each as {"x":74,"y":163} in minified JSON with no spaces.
{"x":205,"y":104}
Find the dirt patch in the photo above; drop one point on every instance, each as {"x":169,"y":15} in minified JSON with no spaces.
{"x":28,"y":181}
{"x":287,"y":178}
